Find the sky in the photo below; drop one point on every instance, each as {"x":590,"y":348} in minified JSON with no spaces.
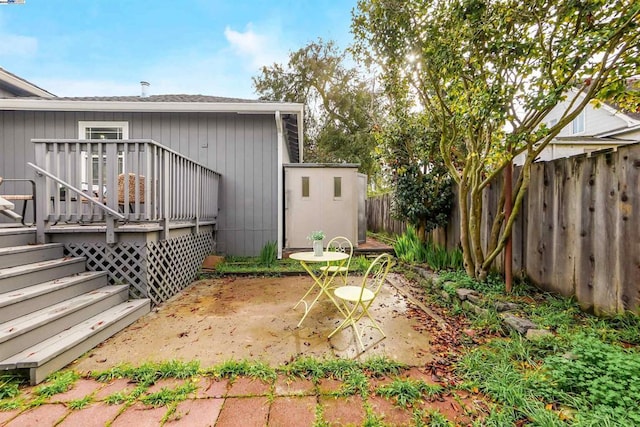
{"x":208,"y":47}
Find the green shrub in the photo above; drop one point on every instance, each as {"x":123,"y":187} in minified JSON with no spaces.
{"x":408,"y":247}
{"x":411,"y":249}
{"x":269,"y":254}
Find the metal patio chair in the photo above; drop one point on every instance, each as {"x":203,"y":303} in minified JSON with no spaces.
{"x":339,"y":244}
{"x":357,"y":300}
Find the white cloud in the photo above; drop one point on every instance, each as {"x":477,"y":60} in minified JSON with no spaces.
{"x":14,"y":45}
{"x":256,"y":49}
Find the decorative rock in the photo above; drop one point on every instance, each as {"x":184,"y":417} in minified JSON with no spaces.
{"x":519,"y":324}
{"x":474,"y":298}
{"x":534,"y":334}
{"x":424,"y":273}
{"x":464,"y":293}
{"x":472,"y":307}
{"x":505,"y":306}
{"x":445,"y":296}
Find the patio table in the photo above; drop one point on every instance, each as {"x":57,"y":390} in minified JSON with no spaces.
{"x":322,"y":281}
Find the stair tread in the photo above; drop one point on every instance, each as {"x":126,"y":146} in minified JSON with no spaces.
{"x":40,"y":265}
{"x":29,"y":248}
{"x":16,"y":327}
{"x":46,"y":350}
{"x":18,"y":295}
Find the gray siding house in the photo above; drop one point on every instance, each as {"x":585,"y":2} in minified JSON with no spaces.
{"x":131,"y":194}
{"x":247,"y":142}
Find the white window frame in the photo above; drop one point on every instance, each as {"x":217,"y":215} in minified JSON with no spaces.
{"x":82,"y":127}
{"x":82,"y":134}
{"x":578,"y":124}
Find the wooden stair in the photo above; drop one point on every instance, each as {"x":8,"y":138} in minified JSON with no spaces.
{"x":51,"y":309}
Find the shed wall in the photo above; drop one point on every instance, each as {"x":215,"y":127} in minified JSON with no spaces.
{"x":241,"y":147}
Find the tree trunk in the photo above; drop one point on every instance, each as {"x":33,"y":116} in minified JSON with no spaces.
{"x":469,"y":265}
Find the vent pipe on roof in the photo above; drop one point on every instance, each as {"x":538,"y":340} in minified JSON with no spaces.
{"x":144,"y":89}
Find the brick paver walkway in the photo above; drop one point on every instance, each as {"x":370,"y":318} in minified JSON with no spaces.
{"x":241,"y":402}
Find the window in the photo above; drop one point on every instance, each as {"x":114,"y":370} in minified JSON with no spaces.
{"x":577,"y":125}
{"x":305,"y":186}
{"x":337,"y":186}
{"x":101,"y":130}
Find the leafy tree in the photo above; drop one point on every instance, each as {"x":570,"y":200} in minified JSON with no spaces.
{"x":340,"y":106}
{"x":488,"y":72}
{"x":422,"y":186}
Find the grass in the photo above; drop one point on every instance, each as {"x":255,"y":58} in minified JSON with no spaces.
{"x":266,"y":265}
{"x":10,"y":385}
{"x":407,"y":392}
{"x":78,"y":404}
{"x":167,"y":395}
{"x":149,"y":373}
{"x":586,"y":373}
{"x":58,"y":382}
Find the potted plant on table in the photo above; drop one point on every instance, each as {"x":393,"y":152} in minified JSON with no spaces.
{"x":316,"y":237}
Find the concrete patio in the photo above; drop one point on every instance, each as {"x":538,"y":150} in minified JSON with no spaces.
{"x":253,"y":318}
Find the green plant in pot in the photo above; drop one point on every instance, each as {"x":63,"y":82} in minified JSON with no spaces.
{"x":317,"y":237}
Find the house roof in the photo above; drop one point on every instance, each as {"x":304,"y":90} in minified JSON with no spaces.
{"x":160,"y":98}
{"x":21,"y":87}
{"x":155,"y":103}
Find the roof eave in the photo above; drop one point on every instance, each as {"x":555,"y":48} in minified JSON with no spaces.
{"x":126,"y":106}
{"x":619,"y":131}
{"x":23,"y":85}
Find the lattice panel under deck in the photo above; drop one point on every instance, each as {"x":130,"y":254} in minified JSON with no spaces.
{"x":124,"y":263}
{"x":173,"y":264}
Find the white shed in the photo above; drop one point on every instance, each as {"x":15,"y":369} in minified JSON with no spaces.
{"x":325,"y":197}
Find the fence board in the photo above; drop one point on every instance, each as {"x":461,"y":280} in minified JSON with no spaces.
{"x":584,"y":263}
{"x":628,"y":248}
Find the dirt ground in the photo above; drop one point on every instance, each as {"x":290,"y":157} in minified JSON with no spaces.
{"x":253,"y":318}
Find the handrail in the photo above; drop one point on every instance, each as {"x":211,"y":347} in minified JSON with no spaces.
{"x":81,"y":193}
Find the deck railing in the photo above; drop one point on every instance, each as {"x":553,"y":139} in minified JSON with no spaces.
{"x":114,"y":182}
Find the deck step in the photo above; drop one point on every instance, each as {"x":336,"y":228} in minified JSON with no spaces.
{"x":21,"y":276}
{"x":25,"y":331}
{"x":23,"y":301}
{"x":17,"y":236}
{"x":13,"y":256}
{"x":61,"y":349}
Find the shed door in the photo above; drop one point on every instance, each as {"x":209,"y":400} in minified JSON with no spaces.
{"x":320,"y":199}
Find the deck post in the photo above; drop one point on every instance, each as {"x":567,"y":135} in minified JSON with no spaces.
{"x":199,"y":196}
{"x":42,"y":207}
{"x":112,"y":191}
{"x":166,"y":193}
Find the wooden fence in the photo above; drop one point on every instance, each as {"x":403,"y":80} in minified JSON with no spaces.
{"x":578,"y":232}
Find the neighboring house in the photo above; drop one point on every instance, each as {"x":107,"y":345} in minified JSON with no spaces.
{"x":592,"y":130}
{"x":246,"y":141}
